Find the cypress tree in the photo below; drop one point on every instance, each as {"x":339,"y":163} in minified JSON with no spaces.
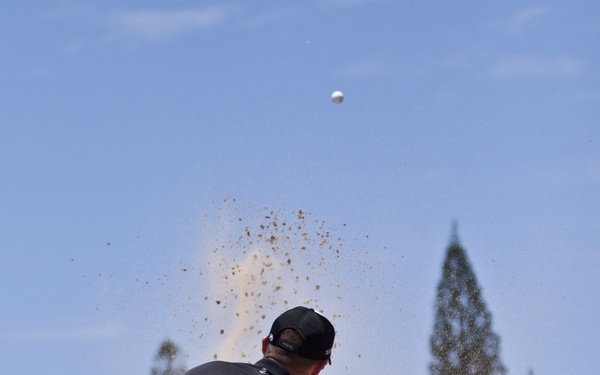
{"x":168,"y":360}
{"x":462,"y":342}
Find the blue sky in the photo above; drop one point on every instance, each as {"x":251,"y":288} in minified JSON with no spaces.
{"x":140,"y":136}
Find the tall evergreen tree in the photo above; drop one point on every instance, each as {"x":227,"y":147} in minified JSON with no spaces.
{"x":168,"y":360}
{"x":462,"y":342}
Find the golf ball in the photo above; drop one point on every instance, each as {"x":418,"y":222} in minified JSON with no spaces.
{"x":337,"y":97}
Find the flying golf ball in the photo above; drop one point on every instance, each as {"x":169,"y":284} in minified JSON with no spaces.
{"x":337,"y":97}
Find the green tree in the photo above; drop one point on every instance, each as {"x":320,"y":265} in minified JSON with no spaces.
{"x":167,"y":360}
{"x":462,"y":342}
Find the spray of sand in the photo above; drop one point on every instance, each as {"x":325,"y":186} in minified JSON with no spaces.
{"x":249,"y":265}
{"x":263,"y":262}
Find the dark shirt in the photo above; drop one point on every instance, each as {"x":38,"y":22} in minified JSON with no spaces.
{"x":263,"y":367}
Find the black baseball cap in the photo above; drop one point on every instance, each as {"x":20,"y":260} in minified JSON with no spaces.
{"x":316,"y":331}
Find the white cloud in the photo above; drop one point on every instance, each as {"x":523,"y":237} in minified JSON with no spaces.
{"x":348,"y":3}
{"x":363,"y":69}
{"x":535,"y":66}
{"x":63,"y":333}
{"x":520,"y":20}
{"x":456,"y":61}
{"x":273,"y":15}
{"x":524,"y":17}
{"x":163,"y":25}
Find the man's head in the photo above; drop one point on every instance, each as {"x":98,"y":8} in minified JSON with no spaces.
{"x":300,"y":333}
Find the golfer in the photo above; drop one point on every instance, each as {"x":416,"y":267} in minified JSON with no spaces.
{"x":299,"y":343}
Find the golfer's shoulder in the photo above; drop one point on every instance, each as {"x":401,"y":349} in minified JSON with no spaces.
{"x":224,"y":368}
